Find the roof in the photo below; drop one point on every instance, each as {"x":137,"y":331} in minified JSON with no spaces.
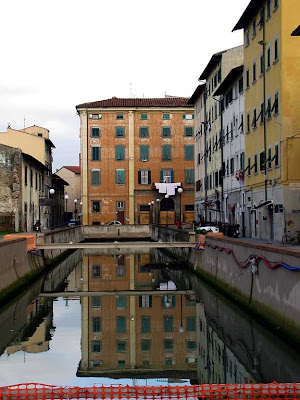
{"x":58,"y":178}
{"x":75,"y":168}
{"x":252,"y":9}
{"x":296,"y":32}
{"x":131,"y":102}
{"x":231,"y":77}
{"x":196,"y":94}
{"x":29,"y":158}
{"x":215,"y":59}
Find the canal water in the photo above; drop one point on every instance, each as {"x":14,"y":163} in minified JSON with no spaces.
{"x":134,"y":318}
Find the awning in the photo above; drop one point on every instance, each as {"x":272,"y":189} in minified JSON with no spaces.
{"x":265,"y":203}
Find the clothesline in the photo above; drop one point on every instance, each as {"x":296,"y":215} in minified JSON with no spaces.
{"x":167,"y":188}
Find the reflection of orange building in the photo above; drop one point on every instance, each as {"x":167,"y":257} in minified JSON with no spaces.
{"x":134,"y":335}
{"x":129,"y":145}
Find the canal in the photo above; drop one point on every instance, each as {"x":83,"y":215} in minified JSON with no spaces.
{"x":134,"y":317}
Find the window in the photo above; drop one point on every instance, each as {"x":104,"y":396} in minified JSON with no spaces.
{"x":145,"y":345}
{"x":276,"y":52}
{"x":268,"y":9}
{"x":232,"y":165}
{"x":247,"y":39}
{"x":254,"y":118}
{"x":241,"y":84}
{"x":275,"y":107}
{"x":247,"y":78}
{"x":120,"y":153}
{"x":145,"y":301}
{"x":255,"y":164}
{"x":96,"y":271}
{"x":95,"y":177}
{"x":25,"y":176}
{"x":166,"y":131}
{"x":269,"y":56}
{"x":121,"y":346}
{"x":188,"y":131}
{"x":262,"y":112}
{"x":145,"y":324}
{"x":96,"y":302}
{"x":254,"y":28}
{"x":121,"y":302}
{"x":168,"y":301}
{"x":276,"y":155}
{"x":121,"y":363}
{"x":190,"y":324}
{"x":95,"y":131}
{"x":144,"y":131}
{"x":144,"y":153}
{"x":261,"y":63}
{"x":254,"y":71}
{"x":144,"y":116}
{"x":188,"y":116}
{"x":262,"y":17}
{"x":275,"y":4}
{"x":189,"y":176}
{"x":120,"y":131}
{"x":168,"y":324}
{"x":269,"y":108}
{"x":119,"y":116}
{"x":96,"y":346}
{"x":191,"y":345}
{"x":121,"y":324}
{"x":168,"y":345}
{"x":189,"y":152}
{"x":241,"y":127}
{"x":270,"y":157}
{"x":248,"y":121}
{"x":249,"y":166}
{"x":31,"y":178}
{"x":167,"y":176}
{"x":36,"y":180}
{"x":95,"y":116}
{"x":262,"y":161}
{"x":168,"y":361}
{"x":189,"y":207}
{"x":144,"y":177}
{"x":120,"y":176}
{"x":95,"y":153}
{"x":120,"y":270}
{"x":242,"y":161}
{"x":96,"y":324}
{"x":166,"y":152}
{"x":166,"y":116}
{"x":96,"y":206}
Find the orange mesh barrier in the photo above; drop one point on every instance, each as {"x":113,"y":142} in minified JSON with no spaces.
{"x":229,"y":391}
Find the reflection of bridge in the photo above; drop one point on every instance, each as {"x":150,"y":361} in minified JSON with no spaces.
{"x":114,"y":245}
{"x":117,"y":293}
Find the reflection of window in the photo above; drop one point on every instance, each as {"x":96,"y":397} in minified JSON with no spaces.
{"x":96,"y":324}
{"x":145,"y":324}
{"x":96,"y":346}
{"x":168,"y":361}
{"x":190,"y":324}
{"x":121,"y":324}
{"x":145,"y":345}
{"x":168,"y":301}
{"x":121,"y":363}
{"x":96,"y":302}
{"x":121,"y":345}
{"x":168,"y":345}
{"x":190,"y":345}
{"x":96,"y":271}
{"x":120,"y":270}
{"x":168,"y":324}
{"x":121,"y":302}
{"x":145,"y":301}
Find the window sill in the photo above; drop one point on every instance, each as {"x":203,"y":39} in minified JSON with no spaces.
{"x":276,"y":115}
{"x":248,"y":87}
{"x":268,"y":17}
{"x":275,"y":9}
{"x":254,"y":82}
{"x":261,"y":74}
{"x":276,"y":61}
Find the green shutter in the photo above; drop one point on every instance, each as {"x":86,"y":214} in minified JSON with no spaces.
{"x":166,"y":131}
{"x":95,"y":178}
{"x":161,"y":176}
{"x":120,"y":153}
{"x":166,"y":152}
{"x":121,"y":302}
{"x":168,"y":324}
{"x":144,"y":131}
{"x":149,"y":177}
{"x":190,"y":324}
{"x":172,"y":176}
{"x":145,"y":324}
{"x":96,"y":324}
{"x":189,"y":131}
{"x":121,"y":324}
{"x":120,"y":131}
{"x":120,"y":176}
{"x":139,"y":177}
{"x":144,"y":153}
{"x":189,"y":152}
{"x":189,"y":176}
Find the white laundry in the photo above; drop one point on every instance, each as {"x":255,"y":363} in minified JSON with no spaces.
{"x":168,"y":188}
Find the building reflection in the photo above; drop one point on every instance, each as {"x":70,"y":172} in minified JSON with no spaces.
{"x":149,"y":334}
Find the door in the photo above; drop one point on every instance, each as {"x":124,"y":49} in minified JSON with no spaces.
{"x":121,"y":216}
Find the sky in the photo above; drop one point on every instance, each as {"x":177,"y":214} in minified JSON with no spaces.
{"x":60,"y":53}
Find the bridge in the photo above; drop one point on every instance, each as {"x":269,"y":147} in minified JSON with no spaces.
{"x":114,"y":245}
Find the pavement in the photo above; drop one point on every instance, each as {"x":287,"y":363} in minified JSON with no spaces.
{"x":275,"y":243}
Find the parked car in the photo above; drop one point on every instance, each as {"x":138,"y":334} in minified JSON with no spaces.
{"x":114,"y":223}
{"x":72,"y":222}
{"x":206,"y":229}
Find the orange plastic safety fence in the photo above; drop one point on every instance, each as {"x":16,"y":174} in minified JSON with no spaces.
{"x":34,"y":391}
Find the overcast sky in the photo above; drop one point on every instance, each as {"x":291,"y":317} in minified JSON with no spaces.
{"x":60,"y":53}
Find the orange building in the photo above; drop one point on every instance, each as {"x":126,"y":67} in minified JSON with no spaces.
{"x":134,"y":152}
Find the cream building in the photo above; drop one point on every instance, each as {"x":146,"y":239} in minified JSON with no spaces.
{"x":71,"y":174}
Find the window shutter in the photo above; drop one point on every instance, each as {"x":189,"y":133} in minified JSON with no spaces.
{"x":183,"y":117}
{"x":139,"y":177}
{"x":172,"y":176}
{"x":149,"y":177}
{"x":161,"y":176}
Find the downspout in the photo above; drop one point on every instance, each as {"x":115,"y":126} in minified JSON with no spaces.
{"x":205,"y":155}
{"x":222,"y":185}
{"x":264,"y":107}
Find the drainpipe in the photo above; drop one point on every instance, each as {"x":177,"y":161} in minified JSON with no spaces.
{"x":205,"y":156}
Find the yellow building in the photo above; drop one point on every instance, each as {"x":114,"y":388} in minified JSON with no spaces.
{"x":272,"y":117}
{"x":73,"y":204}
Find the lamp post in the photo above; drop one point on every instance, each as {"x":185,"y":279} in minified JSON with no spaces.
{"x":66,"y":212}
{"x":80,"y":212}
{"x":181,"y":328}
{"x":180,"y":190}
{"x":166,"y":197}
{"x":51,"y":194}
{"x":75,"y":210}
{"x":157,"y":217}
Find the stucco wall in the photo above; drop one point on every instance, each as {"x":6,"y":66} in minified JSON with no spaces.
{"x":117,"y":232}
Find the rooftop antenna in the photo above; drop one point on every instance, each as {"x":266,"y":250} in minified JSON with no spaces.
{"x":130,"y":85}
{"x":24,"y":121}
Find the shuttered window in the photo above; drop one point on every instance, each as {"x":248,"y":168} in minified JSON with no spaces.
{"x":121,"y":324}
{"x":146,"y":324}
{"x":166,"y":131}
{"x":168,"y":324}
{"x":166,"y":152}
{"x":95,"y":153}
{"x":120,"y":176}
{"x":167,"y":176}
{"x":189,"y":176}
{"x":188,"y":131}
{"x":120,"y":131}
{"x":96,"y":324}
{"x":144,"y":177}
{"x":96,"y":177}
{"x":120,"y":153}
{"x":189,"y":152}
{"x":144,"y":153}
{"x":144,"y":131}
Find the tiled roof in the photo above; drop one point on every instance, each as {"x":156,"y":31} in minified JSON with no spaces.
{"x":74,"y":168}
{"x":252,"y":8}
{"x":152,"y":102}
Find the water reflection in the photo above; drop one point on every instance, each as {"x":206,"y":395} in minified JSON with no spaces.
{"x":142,"y":316}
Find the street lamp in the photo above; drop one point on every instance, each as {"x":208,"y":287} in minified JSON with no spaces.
{"x":157,"y":217}
{"x":181,"y":328}
{"x":51,"y":194}
{"x":166,"y":197}
{"x":80,"y":212}
{"x":180,"y":190}
{"x":66,"y":212}
{"x":75,"y":210}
